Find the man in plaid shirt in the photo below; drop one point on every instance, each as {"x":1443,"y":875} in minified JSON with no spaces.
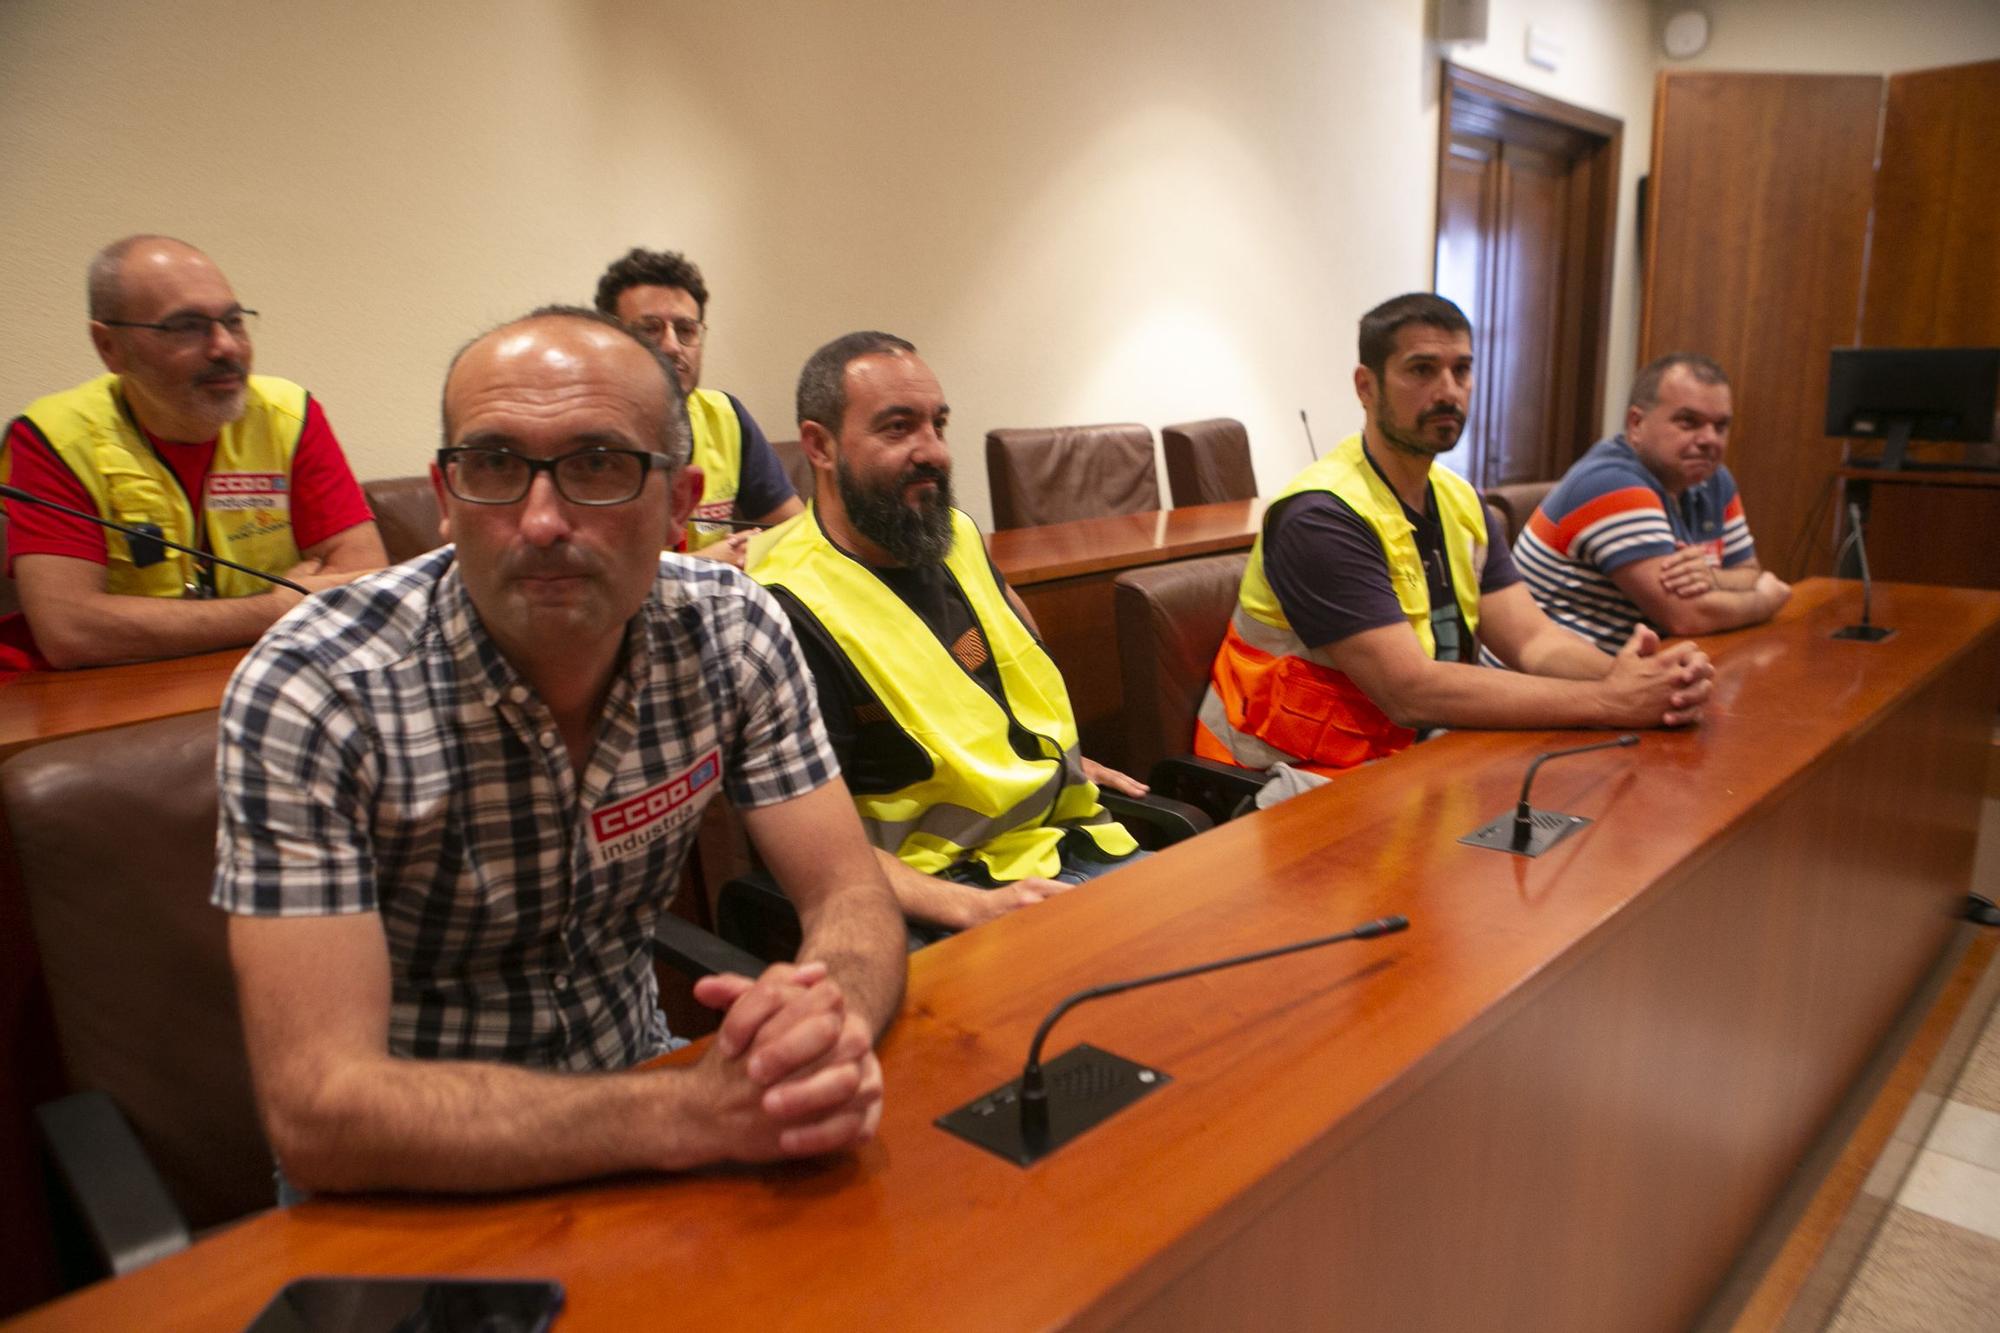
{"x":456,"y":795}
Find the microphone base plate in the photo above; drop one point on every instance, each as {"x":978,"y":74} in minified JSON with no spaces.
{"x":1086,"y":1086}
{"x":1546,"y":829}
{"x":1864,"y":633}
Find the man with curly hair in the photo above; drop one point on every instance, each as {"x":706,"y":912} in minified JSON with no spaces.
{"x":660,"y":295}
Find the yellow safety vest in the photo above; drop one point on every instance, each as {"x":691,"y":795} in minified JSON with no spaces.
{"x":246,"y":513}
{"x":718,"y":452}
{"x":1273,"y":699}
{"x":980,"y":800}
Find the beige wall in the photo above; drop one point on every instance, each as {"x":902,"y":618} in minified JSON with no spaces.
{"x":1840,"y":36}
{"x":1080,"y":211}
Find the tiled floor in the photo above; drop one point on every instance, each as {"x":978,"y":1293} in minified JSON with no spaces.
{"x":1934,"y":1266}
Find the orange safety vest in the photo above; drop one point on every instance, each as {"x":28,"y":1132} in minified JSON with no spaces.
{"x":1272,"y":699}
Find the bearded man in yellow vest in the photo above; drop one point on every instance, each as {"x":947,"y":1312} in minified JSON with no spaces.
{"x":952,"y":726}
{"x":179,"y":437}
{"x":660,"y":296}
{"x":1377,"y":577}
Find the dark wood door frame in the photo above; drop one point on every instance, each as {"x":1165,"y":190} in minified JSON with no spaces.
{"x":1478,"y":103}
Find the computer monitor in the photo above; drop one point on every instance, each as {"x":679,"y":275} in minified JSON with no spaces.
{"x":1899,"y":394}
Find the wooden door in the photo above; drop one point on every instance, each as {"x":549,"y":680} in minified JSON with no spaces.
{"x":1526,"y":206}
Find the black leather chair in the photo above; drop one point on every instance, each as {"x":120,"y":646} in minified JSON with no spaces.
{"x":1059,"y":473}
{"x":1208,"y":461}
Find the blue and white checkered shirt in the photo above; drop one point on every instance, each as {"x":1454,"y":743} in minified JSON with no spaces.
{"x":378,"y":754}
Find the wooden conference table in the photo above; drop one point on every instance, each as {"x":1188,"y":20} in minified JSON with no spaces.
{"x":1562,"y":1099}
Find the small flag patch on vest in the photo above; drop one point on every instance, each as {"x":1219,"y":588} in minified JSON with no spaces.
{"x":971,"y":650}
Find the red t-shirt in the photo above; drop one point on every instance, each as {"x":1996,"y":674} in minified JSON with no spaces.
{"x":325,"y":498}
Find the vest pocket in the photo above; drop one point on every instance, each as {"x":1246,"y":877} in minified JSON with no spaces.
{"x":135,"y":498}
{"x":1320,"y":716}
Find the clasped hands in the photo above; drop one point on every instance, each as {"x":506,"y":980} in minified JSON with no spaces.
{"x":1689,"y":572}
{"x":792,"y":1071}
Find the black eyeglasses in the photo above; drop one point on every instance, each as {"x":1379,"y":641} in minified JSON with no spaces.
{"x":687,"y":332}
{"x":193,"y":328}
{"x":589,"y":476}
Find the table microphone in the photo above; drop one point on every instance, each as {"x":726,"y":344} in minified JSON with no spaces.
{"x":1309,"y":434}
{"x":1525,"y":835}
{"x":1867,"y":631}
{"x":1029,"y":1137}
{"x":146,"y":539}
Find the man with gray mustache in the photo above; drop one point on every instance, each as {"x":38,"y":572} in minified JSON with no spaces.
{"x":1378,"y":577}
{"x":178,"y":437}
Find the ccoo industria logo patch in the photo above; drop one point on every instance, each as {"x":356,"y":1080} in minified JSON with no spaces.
{"x":637,"y":822}
{"x":246,"y":490}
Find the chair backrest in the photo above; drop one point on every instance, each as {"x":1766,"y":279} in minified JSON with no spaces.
{"x":1516,"y":502}
{"x":792,"y":455}
{"x":1208,"y":461}
{"x":114,"y":847}
{"x":1171,"y":619}
{"x":406,"y":512}
{"x":1057,"y":473}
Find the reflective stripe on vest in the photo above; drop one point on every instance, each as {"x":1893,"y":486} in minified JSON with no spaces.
{"x":1272,"y":699}
{"x":247,"y":509}
{"x":718,"y":452}
{"x":981,"y":800}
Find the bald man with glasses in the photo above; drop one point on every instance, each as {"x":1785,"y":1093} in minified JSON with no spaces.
{"x":455,"y":802}
{"x":179,"y":438}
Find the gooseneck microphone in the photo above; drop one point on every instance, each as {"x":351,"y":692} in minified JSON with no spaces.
{"x":1035,"y":1096}
{"x":145,"y":538}
{"x":1524,"y":812}
{"x":1528,"y":832}
{"x":1309,"y":434}
{"x":1103,"y":1083}
{"x":1867,"y":631}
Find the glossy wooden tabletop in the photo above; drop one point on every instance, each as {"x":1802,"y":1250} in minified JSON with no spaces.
{"x":47,"y":705}
{"x":1277,"y":1068}
{"x":1096,"y":545}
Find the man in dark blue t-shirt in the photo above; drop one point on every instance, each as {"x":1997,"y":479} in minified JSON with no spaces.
{"x":660,"y":295}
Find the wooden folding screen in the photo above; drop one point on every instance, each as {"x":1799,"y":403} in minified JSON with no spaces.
{"x":1774,"y":237}
{"x":1761,"y":185}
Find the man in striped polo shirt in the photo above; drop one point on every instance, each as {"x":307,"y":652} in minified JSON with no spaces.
{"x":1647,"y":526}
